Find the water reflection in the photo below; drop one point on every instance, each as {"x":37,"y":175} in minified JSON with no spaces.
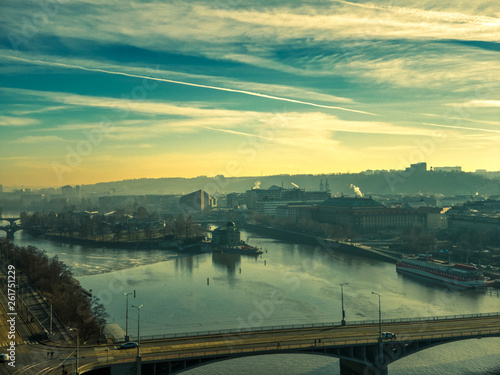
{"x":226,"y":262}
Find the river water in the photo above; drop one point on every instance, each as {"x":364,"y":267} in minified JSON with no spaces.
{"x":288,"y":284}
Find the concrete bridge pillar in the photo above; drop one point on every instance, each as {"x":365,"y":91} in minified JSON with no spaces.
{"x":366,"y":360}
{"x":356,"y":368}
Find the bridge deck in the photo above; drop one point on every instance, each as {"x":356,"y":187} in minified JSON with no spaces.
{"x":308,"y":339}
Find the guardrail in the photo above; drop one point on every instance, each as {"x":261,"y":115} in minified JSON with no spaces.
{"x":313,"y":325}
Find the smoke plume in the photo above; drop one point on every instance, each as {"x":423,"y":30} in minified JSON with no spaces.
{"x":357,"y":190}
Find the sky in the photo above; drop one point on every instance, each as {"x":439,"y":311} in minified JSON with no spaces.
{"x":94,"y":91}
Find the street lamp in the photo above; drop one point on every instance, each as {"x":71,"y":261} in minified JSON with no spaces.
{"x":138,"y":372}
{"x":127,"y":338}
{"x":77,"y":349}
{"x":379,"y":316}
{"x":342,"y":299}
{"x":138,"y":329}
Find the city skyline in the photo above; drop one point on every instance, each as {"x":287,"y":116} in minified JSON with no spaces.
{"x":105,"y":92}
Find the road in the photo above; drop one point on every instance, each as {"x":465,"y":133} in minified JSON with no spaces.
{"x":28,"y":355}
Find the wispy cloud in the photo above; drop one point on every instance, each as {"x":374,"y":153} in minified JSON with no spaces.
{"x":39,"y":139}
{"x":37,"y":110}
{"x":478,"y":103}
{"x":17,"y":121}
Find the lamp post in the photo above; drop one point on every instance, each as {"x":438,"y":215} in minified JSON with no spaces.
{"x":77,"y":349}
{"x":138,"y":372}
{"x":379,"y":316}
{"x":342,"y":299}
{"x":127,"y":338}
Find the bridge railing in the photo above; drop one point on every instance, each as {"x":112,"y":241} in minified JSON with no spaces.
{"x":313,"y":325}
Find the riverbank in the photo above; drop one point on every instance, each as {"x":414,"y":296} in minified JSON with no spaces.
{"x":328,"y":244}
{"x":156,"y":243}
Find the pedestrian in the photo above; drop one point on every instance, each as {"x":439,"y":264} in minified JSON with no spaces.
{"x":51,"y":354}
{"x":279,"y":345}
{"x":319,"y":341}
{"x":48,"y":353}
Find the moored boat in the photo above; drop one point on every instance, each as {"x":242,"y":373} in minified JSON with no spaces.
{"x":243,"y":249}
{"x":456,"y":274}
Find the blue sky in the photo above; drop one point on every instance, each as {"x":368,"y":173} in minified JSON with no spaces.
{"x":100,"y":91}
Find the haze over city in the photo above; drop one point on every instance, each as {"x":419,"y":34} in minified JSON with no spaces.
{"x":102,"y":92}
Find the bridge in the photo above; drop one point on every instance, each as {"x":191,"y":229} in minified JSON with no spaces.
{"x":358,"y":345}
{"x":12,"y":228}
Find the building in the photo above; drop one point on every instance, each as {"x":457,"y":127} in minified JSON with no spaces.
{"x":437,"y":220}
{"x":342,"y":210}
{"x":128,"y":202}
{"x":296,"y":211}
{"x":366,"y":214}
{"x":67,"y":191}
{"x":236,"y":201}
{"x":269,"y":208}
{"x":417,"y":167}
{"x":482,"y":206}
{"x":226,"y":236}
{"x":266,"y":200}
{"x":481,"y":222}
{"x":198,"y":201}
{"x":448,"y":169}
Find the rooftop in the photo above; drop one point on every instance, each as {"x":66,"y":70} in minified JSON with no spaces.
{"x":351,"y":202}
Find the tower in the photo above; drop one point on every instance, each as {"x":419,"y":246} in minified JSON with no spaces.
{"x":321,"y":188}
{"x":327,"y":187}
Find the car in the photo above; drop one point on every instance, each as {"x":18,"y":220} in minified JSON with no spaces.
{"x":4,"y":357}
{"x":388,"y":335}
{"x":129,"y":345}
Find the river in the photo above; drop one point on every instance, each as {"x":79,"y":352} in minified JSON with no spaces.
{"x":288,"y":284}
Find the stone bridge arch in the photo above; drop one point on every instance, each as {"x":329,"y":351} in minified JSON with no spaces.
{"x":12,"y":228}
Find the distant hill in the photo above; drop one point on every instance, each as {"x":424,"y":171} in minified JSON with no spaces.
{"x":429,"y":182}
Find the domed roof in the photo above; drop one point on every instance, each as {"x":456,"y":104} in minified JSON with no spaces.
{"x":230,"y":224}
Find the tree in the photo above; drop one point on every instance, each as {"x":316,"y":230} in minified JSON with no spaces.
{"x":180,"y":226}
{"x":141,"y":213}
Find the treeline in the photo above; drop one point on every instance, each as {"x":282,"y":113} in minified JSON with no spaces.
{"x":466,"y":245}
{"x":118,"y":226}
{"x":55,"y":281}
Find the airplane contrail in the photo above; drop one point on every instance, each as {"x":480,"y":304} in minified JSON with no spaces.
{"x":40,"y":62}
{"x":237,"y":133}
{"x":462,"y":127}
